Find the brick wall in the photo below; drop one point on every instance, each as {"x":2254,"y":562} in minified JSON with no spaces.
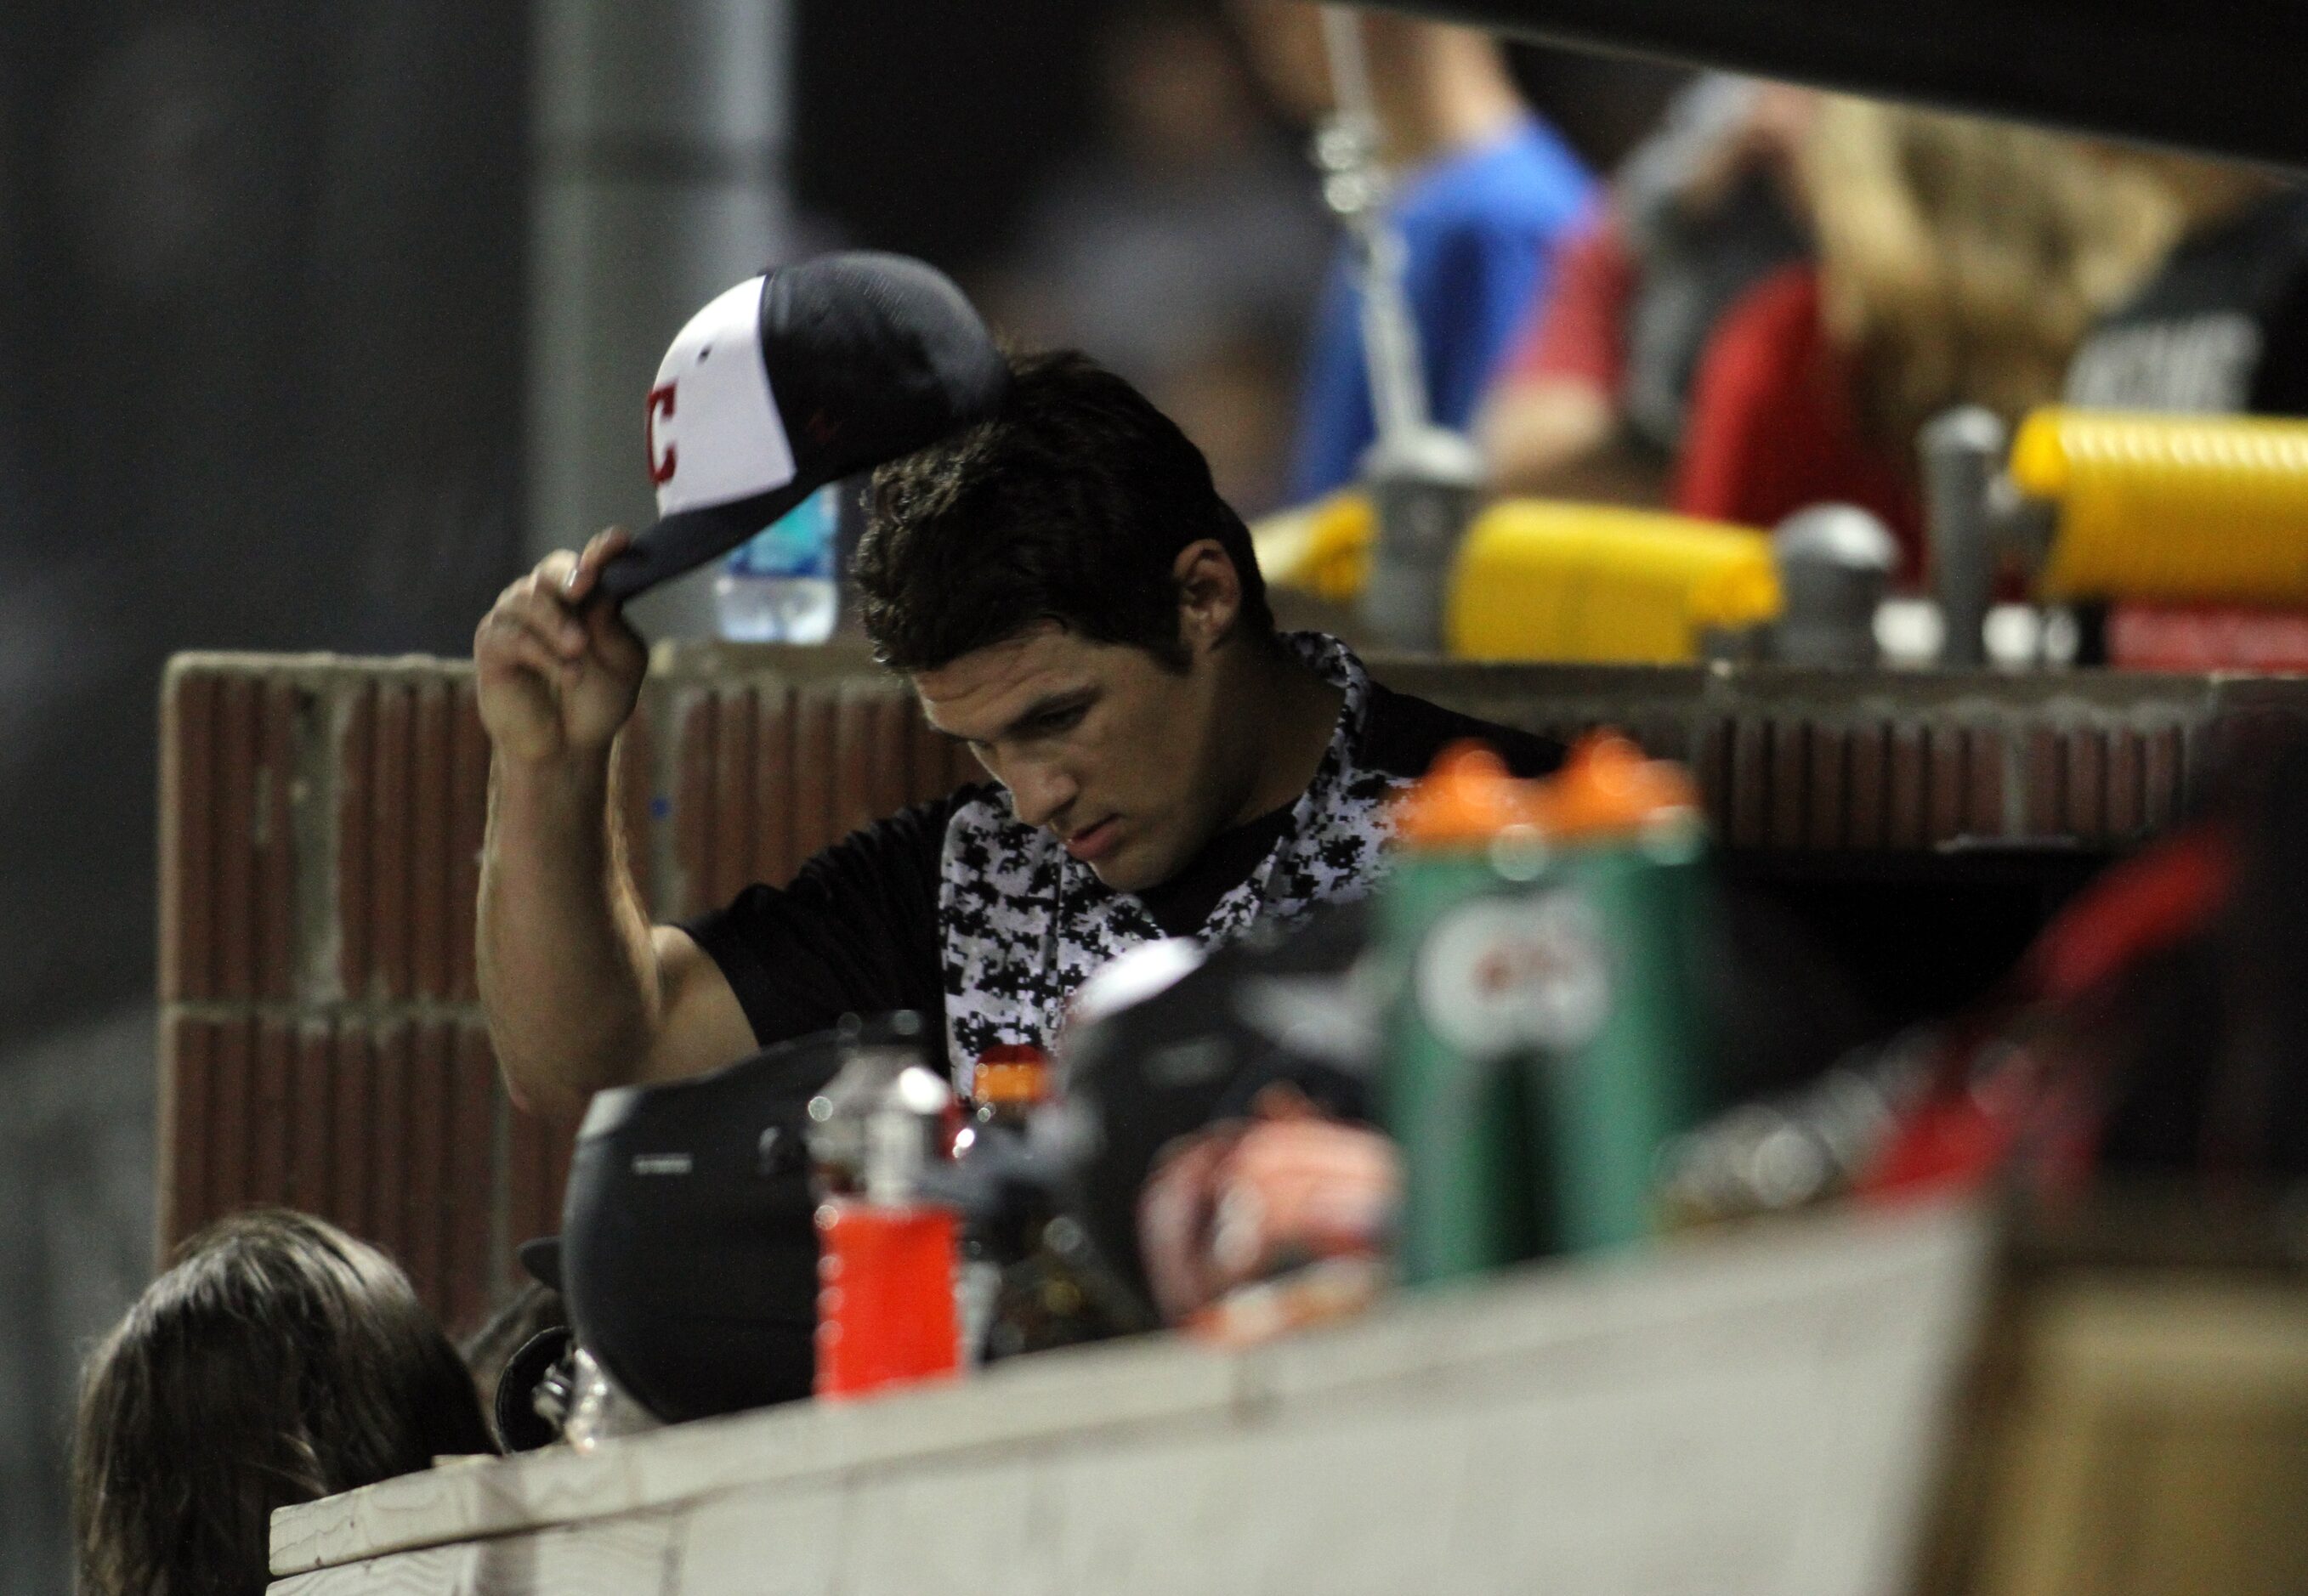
{"x":322,"y":1044}
{"x":1868,"y":761}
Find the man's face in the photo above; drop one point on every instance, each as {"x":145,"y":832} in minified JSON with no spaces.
{"x":1100,"y":744}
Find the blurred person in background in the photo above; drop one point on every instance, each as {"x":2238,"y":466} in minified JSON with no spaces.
{"x":278,"y":1361}
{"x":1185,"y":249}
{"x":1486,"y":192}
{"x":1959,"y":262}
{"x":1590,"y":403}
{"x":2222,"y":325}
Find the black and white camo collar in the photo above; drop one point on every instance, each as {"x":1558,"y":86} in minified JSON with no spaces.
{"x":1024,"y":922}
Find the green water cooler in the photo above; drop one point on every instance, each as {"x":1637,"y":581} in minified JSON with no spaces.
{"x":1541,"y":947}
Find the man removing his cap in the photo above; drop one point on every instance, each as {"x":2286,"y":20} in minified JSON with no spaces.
{"x":1046,"y":562}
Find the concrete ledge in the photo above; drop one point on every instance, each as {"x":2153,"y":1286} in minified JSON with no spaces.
{"x":1753,"y":1412}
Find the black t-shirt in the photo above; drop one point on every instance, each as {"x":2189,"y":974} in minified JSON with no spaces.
{"x":2222,"y":328}
{"x":857,"y":931}
{"x":1181,"y":905}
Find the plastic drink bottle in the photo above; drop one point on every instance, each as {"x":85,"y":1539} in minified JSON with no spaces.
{"x":778,"y":586}
{"x":885,"y":1298}
{"x":887,"y":1254}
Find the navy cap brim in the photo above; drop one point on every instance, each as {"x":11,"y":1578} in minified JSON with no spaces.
{"x":676,"y":544}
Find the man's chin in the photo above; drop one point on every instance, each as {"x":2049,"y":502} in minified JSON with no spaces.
{"x":1125,"y":870}
{"x":1122,"y":879}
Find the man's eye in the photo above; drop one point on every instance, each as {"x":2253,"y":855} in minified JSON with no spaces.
{"x":1061,"y":720}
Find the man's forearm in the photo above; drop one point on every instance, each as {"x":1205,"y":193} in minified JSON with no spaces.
{"x":567,"y":973}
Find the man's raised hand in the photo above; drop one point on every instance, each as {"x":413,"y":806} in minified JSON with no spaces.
{"x":555,"y":676}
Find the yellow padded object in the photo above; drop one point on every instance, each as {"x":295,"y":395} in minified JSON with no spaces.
{"x":1338,"y":542}
{"x":2170,"y":507}
{"x":1542,"y":580}
{"x":1322,"y":547}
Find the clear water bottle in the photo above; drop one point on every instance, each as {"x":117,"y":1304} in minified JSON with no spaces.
{"x":778,"y":586}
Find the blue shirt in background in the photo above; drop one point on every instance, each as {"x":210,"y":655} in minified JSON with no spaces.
{"x":1479,"y":229}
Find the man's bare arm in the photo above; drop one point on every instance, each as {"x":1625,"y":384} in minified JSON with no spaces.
{"x":581,"y":993}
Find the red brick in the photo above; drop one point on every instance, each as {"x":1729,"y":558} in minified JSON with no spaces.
{"x":1790,"y":782}
{"x":1946,"y":782}
{"x":775,"y":857}
{"x":1711,"y":768}
{"x":692,"y":803}
{"x":2088,"y":783}
{"x":1828,"y":797}
{"x":352,"y":1090}
{"x":853,"y":762}
{"x":811,"y":784}
{"x":391,"y":865}
{"x":429,"y":1181}
{"x":276,"y":842}
{"x":355,"y":778}
{"x":1984,"y":760}
{"x":2163,"y":776}
{"x":234,"y":959}
{"x":894,"y":782}
{"x":469,"y":1272}
{"x":2044,"y":798}
{"x":537,"y":1173}
{"x":312,"y":1143}
{"x":930,"y":765}
{"x":187,"y":842}
{"x":1750,"y":782}
{"x":232,"y":1088}
{"x":271,"y":1124}
{"x":1906,"y":789}
{"x":1867,"y":822}
{"x":184,"y":1123}
{"x":2125,"y":819}
{"x":733,"y":817}
{"x":432,"y":937}
{"x":389,"y":1201}
{"x":469,"y":808}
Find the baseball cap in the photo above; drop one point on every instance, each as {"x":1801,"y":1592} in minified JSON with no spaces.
{"x":795,"y":379}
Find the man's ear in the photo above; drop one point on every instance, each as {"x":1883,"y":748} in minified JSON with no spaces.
{"x":1210,"y":593}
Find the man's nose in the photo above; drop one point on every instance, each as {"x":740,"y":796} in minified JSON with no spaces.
{"x":1038,"y":793}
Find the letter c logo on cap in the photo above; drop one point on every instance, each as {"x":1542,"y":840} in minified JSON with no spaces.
{"x":660,"y":467}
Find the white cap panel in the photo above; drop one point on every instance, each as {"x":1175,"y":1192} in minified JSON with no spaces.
{"x":713,"y":430}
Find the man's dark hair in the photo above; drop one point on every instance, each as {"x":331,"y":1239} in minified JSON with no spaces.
{"x":1071,"y":505}
{"x":279,"y":1361}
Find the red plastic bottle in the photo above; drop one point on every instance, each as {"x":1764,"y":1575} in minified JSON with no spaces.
{"x":885,"y":1312}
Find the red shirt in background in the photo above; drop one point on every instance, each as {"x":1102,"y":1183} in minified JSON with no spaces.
{"x":1774,"y":424}
{"x":1580,"y":333}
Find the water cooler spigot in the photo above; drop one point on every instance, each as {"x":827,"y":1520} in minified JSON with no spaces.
{"x":1424,"y":488}
{"x":1835,"y":564}
{"x":1962,"y":452}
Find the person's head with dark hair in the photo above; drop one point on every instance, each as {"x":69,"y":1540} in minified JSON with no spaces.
{"x":1072,"y":505}
{"x":277,"y":1361}
{"x":1070,"y":597}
